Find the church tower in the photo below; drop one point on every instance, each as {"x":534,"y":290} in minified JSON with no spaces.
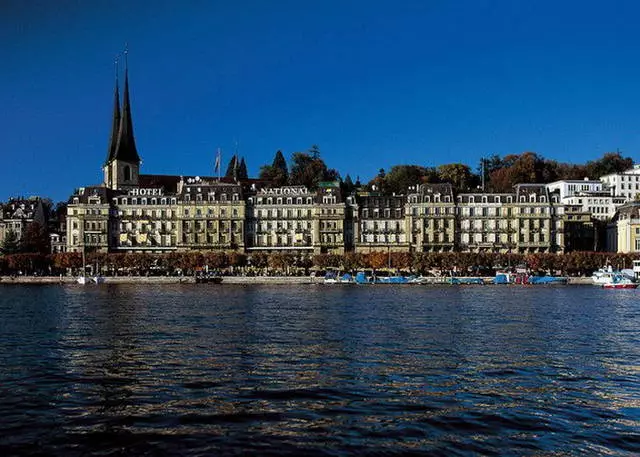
{"x":122,"y":167}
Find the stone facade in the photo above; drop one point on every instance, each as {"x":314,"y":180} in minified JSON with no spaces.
{"x":381,"y":224}
{"x":431,"y":214}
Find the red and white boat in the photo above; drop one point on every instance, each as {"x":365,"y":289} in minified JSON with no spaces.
{"x":620,"y":282}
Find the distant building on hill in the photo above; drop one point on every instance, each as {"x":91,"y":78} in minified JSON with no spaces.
{"x":625,"y":184}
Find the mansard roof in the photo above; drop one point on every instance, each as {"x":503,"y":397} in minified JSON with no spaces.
{"x":204,"y":187}
{"x":380,"y":201}
{"x":21,"y":208}
{"x":630,"y":210}
{"x":478,"y":197}
{"x":169,"y":183}
{"x":84,"y":193}
{"x":528,"y":189}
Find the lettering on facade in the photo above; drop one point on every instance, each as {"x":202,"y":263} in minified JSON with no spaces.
{"x":146,"y":192}
{"x":284,"y":191}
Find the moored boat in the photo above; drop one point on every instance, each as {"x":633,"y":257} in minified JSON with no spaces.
{"x":620,"y":281}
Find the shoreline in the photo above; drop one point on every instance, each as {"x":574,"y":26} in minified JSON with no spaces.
{"x":262,"y":280}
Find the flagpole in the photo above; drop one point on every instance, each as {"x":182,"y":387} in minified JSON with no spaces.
{"x":219,"y":163}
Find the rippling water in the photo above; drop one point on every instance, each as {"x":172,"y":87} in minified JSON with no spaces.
{"x":219,"y":370}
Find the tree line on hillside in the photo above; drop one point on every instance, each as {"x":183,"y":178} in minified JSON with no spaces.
{"x":277,"y":263}
{"x":498,"y":174}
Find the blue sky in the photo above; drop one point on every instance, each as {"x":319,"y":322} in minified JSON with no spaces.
{"x":372,"y":83}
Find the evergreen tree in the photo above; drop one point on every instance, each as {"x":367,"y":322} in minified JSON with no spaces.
{"x":242,"y":170}
{"x":280,"y":163}
{"x":277,"y":172}
{"x":347,"y":184}
{"x":11,"y":244}
{"x":232,"y":168}
{"x":314,"y":151}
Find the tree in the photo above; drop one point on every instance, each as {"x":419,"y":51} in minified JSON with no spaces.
{"x":611,"y":162}
{"x":35,"y":239}
{"x":459,"y":175}
{"x":401,"y":177}
{"x":347,"y":185}
{"x":242,"y":170}
{"x":314,"y":151}
{"x":308,"y":170}
{"x":280,"y":163}
{"x":525,"y":168}
{"x":277,"y":172}
{"x":11,"y":244}
{"x":377,"y":259}
{"x":232,"y":168}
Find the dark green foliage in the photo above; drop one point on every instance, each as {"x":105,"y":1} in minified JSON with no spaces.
{"x":35,"y":239}
{"x":242,"y":170}
{"x":232,"y":168}
{"x":11,"y":244}
{"x":308,"y":170}
{"x":280,"y":162}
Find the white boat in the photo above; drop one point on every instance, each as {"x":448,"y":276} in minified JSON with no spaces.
{"x":83,"y":279}
{"x":607,"y":275}
{"x":620,"y":281}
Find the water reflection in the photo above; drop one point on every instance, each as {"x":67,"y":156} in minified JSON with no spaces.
{"x":273,"y":370}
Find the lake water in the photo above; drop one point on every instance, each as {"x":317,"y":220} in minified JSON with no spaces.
{"x":318,"y":370}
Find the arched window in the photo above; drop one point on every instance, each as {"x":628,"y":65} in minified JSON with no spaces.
{"x":127,"y":173}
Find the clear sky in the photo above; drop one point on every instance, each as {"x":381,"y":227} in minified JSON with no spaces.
{"x":372,"y":83}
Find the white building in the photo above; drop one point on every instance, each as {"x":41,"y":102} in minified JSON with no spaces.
{"x":570,"y":187}
{"x":625,"y":184}
{"x":592,"y":196}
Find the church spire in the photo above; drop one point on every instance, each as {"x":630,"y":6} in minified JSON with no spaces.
{"x":125,"y":149}
{"x":115,"y":125}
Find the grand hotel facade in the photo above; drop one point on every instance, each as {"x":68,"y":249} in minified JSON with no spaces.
{"x":134,"y":212}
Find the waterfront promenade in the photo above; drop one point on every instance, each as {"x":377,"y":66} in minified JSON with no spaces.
{"x":283,"y":280}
